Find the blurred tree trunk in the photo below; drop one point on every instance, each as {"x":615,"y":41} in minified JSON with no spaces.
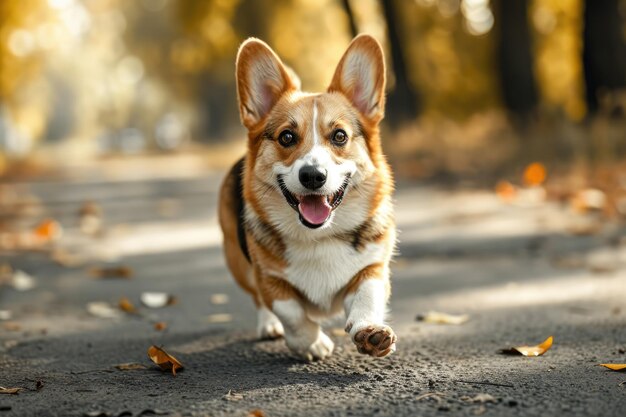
{"x":604,"y":53}
{"x":402,"y":101}
{"x":354,"y":30}
{"x":514,"y":57}
{"x":252,"y":18}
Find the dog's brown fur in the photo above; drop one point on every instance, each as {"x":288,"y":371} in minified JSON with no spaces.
{"x":260,"y":229}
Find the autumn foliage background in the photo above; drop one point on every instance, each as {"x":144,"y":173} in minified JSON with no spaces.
{"x":477,"y":91}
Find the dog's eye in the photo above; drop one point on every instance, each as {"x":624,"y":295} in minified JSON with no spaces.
{"x":340,"y":137}
{"x":287,"y":138}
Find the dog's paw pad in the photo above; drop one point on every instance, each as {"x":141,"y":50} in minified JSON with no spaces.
{"x":375,"y":341}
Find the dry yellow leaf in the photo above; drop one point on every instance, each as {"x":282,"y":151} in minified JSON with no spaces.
{"x":48,"y":230}
{"x":165,"y":361}
{"x":90,"y":218}
{"x":12,"y":326}
{"x":590,"y":199}
{"x":219,"y":299}
{"x":506,"y":191}
{"x":4,"y":390}
{"x":130,"y":366}
{"x":220,"y":318}
{"x":66,"y":258}
{"x":233,"y":396}
{"x":535,"y":174}
{"x":442,"y":318}
{"x":615,"y":366}
{"x":112,"y":272}
{"x":537,"y":350}
{"x":127,"y":306}
{"x":160,"y":325}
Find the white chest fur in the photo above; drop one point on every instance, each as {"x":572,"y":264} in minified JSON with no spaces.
{"x":320,"y":269}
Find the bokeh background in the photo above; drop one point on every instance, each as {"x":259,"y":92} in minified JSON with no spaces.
{"x":506,"y":131}
{"x":477,"y":88}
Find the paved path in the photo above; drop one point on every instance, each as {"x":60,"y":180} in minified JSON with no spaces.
{"x":515,"y":269}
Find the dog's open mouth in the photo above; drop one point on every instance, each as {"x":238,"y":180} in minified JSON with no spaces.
{"x":314,"y":209}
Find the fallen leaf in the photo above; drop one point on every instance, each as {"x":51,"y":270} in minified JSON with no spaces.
{"x":442,"y":318}
{"x":584,"y":227}
{"x":10,"y":344}
{"x":4,"y":390}
{"x":256,"y":413}
{"x":90,"y":218}
{"x":615,"y":366}
{"x":103,"y":310}
{"x":130,"y":366}
{"x":48,"y":230}
{"x":590,"y":199}
{"x":12,"y":326}
{"x":65,"y":258}
{"x":506,"y":191}
{"x":437,"y":396}
{"x":112,"y":272}
{"x":480,"y":398}
{"x":219,"y":299}
{"x":164,"y":359}
{"x":537,"y":350}
{"x":22,"y":281}
{"x":157,"y":299}
{"x":127,"y":306}
{"x":233,"y":396}
{"x":535,"y":174}
{"x":6,"y":273}
{"x":220,"y":318}
{"x":569,"y":262}
{"x":160,"y":326}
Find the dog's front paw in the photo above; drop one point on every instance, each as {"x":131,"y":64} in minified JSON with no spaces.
{"x":375,"y":340}
{"x":321,"y":347}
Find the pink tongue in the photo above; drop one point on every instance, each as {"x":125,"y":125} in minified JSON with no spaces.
{"x":314,"y":208}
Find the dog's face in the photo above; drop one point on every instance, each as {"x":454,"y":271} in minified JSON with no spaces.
{"x":311,"y":153}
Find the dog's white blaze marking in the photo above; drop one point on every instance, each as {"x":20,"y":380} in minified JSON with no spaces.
{"x":320,"y":269}
{"x":367,"y":305}
{"x":316,"y":136}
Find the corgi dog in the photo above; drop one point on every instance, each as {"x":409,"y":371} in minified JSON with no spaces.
{"x":307,"y":214}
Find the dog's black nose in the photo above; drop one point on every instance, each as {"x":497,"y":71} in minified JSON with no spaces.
{"x":312,"y":177}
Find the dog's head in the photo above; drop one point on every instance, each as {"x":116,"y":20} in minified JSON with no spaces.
{"x":312,"y":156}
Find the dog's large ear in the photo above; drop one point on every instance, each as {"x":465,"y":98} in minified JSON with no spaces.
{"x":360,"y":76}
{"x":261,"y":80}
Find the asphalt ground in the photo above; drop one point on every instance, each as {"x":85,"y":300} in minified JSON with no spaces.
{"x":521,"y":271}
